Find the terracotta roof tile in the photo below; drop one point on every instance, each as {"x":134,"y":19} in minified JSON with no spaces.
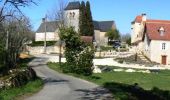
{"x":152,"y":29}
{"x":158,"y":21}
{"x":138,"y":19}
{"x":87,"y":39}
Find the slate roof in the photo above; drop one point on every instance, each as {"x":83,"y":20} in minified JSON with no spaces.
{"x":50,"y":27}
{"x":104,"y":26}
{"x":152,"y":29}
{"x":73,"y":5}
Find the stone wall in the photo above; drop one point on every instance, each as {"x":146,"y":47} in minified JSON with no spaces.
{"x":40,"y":50}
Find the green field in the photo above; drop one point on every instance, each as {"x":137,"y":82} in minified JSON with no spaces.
{"x":131,"y":86}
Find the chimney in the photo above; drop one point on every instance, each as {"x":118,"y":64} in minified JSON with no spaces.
{"x":144,"y":17}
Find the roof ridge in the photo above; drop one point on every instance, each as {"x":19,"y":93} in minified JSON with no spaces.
{"x":159,"y":22}
{"x":156,"y":20}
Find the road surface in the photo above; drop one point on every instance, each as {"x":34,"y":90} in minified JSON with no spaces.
{"x":63,"y":87}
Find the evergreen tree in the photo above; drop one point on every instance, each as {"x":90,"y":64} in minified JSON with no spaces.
{"x":86,"y":27}
{"x":82,"y":19}
{"x":89,"y":20}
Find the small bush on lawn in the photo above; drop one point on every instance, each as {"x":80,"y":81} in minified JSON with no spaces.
{"x":79,"y":55}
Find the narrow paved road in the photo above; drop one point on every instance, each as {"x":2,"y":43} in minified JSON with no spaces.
{"x":63,"y":87}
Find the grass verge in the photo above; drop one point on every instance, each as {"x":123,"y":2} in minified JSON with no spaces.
{"x":17,"y":93}
{"x":130,"y":86}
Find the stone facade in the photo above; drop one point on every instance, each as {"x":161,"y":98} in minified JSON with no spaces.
{"x":50,"y":36}
{"x":72,"y":18}
{"x":152,"y":38}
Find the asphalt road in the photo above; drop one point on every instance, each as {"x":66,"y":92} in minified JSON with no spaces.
{"x":63,"y":87}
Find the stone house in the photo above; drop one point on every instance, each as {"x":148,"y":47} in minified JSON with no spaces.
{"x":152,"y":38}
{"x":71,"y":17}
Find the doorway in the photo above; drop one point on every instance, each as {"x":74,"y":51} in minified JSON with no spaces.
{"x":164,"y":59}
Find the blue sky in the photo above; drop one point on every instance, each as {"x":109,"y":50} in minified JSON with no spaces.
{"x":122,"y":12}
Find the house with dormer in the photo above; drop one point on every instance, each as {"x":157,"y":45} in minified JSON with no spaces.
{"x":71,"y":18}
{"x":152,"y":38}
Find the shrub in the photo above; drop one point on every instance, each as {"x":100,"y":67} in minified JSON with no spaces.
{"x":79,"y":55}
{"x":120,"y":61}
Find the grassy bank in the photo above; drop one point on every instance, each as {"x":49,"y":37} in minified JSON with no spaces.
{"x":131,"y":86}
{"x":16,"y":93}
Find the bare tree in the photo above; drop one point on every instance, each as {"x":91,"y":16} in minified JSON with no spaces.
{"x":9,"y":8}
{"x":126,"y":38}
{"x":18,"y":31}
{"x":14,"y":27}
{"x":58,"y":14}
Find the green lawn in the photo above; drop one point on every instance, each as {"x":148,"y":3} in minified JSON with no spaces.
{"x":41,"y":43}
{"x":103,"y":48}
{"x":28,"y":89}
{"x":153,"y":86}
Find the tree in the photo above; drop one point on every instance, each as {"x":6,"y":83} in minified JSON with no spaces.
{"x":86,"y":27}
{"x":83,"y":27}
{"x":18,"y":34}
{"x":128,"y":41}
{"x":89,"y":20}
{"x":13,"y":31}
{"x":126,"y":38}
{"x":58,"y":15}
{"x":9,"y":8}
{"x":112,"y":34}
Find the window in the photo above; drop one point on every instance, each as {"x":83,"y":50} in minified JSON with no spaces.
{"x":73,"y":14}
{"x":163,"y":46}
{"x":161,"y":31}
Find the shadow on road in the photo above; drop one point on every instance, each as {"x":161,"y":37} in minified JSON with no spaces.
{"x":95,"y":94}
{"x":51,"y":80}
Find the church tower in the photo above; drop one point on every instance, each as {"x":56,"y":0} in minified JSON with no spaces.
{"x":72,"y":15}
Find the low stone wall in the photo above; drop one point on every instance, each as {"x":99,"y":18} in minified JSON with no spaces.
{"x":17,"y":78}
{"x":40,"y":49}
{"x":113,"y":54}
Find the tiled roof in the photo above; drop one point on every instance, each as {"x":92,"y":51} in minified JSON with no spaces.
{"x":158,"y":21}
{"x":73,"y":5}
{"x":138,"y":19}
{"x":50,"y":27}
{"x":87,"y":39}
{"x":104,"y":26}
{"x":152,"y":29}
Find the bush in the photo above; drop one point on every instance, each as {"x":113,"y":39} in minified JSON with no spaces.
{"x":120,"y":61}
{"x":85,"y":62}
{"x":79,"y":55}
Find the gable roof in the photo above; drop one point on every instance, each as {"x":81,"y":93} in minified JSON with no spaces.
{"x":73,"y":5}
{"x":50,"y":27}
{"x":104,"y":26}
{"x":152,"y":29}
